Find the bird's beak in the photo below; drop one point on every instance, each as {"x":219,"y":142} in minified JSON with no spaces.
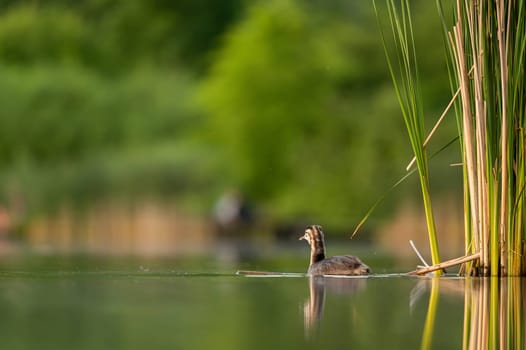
{"x":301,"y":238}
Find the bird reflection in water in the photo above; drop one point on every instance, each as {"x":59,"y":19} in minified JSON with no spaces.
{"x":313,"y":307}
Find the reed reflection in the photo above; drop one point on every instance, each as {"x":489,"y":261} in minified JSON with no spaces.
{"x":319,"y":286}
{"x":494,"y":313}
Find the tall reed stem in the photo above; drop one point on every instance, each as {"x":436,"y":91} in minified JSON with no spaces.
{"x":490,"y":35}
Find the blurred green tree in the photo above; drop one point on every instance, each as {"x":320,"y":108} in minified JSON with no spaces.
{"x":93,"y":96}
{"x":30,"y":35}
{"x":294,"y":94}
{"x":294,"y":99}
{"x":114,"y":35}
{"x":52,"y":114}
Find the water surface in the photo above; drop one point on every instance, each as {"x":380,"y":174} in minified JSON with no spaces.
{"x":67,"y":307}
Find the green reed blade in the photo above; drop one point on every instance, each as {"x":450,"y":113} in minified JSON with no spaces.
{"x":404,"y":73}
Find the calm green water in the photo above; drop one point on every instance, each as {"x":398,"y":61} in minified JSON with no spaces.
{"x":66,"y":306}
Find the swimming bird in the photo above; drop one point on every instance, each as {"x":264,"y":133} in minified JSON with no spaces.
{"x":336,"y":265}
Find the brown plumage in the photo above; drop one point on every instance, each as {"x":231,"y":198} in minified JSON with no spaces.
{"x":336,"y":265}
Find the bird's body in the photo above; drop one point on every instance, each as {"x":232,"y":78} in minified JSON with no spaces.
{"x":339,"y":265}
{"x":336,"y":265}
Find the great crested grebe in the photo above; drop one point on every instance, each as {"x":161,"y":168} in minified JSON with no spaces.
{"x":336,"y":265}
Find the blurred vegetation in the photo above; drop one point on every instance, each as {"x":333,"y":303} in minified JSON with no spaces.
{"x":287,"y":101}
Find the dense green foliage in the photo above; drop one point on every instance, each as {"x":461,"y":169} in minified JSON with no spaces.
{"x":113,"y":35}
{"x":288,"y":101}
{"x":298,"y":98}
{"x":295,"y":110}
{"x":59,"y":113}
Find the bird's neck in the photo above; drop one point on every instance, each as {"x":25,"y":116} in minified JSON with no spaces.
{"x":317,"y":252}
